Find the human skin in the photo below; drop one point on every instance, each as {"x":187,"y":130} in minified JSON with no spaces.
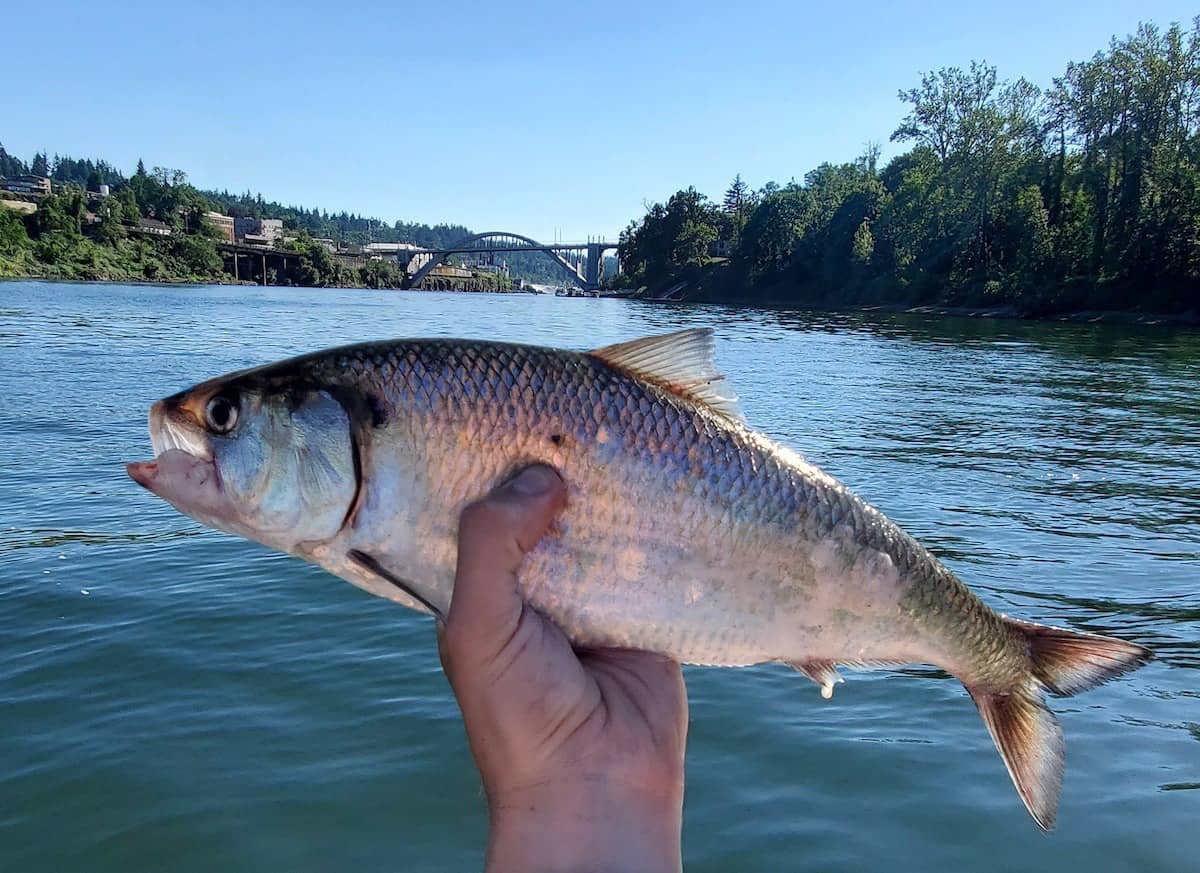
{"x":581,"y":752}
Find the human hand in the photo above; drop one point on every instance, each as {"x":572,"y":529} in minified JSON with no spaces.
{"x":581,"y":753}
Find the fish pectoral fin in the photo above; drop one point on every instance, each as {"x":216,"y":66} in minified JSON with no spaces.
{"x":683,"y":363}
{"x":824,"y":673}
{"x":371,"y":565}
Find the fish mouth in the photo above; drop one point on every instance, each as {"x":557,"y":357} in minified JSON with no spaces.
{"x":183,"y":471}
{"x":167,"y":433}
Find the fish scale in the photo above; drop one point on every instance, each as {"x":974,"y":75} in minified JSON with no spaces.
{"x":685,"y":532}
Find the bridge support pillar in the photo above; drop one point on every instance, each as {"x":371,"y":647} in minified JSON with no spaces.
{"x":594,"y":271}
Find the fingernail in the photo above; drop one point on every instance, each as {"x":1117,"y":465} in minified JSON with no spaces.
{"x":535,"y":481}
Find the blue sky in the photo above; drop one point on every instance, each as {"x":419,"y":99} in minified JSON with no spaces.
{"x":540,"y":118}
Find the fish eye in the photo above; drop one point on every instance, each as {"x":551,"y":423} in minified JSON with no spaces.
{"x":221,"y":414}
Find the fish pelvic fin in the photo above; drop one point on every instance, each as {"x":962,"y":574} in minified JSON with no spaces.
{"x":824,"y":673}
{"x":1067,"y":662}
{"x":1028,"y":736}
{"x":1030,"y":740}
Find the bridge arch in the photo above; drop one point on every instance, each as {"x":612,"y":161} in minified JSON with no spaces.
{"x":471,"y":244}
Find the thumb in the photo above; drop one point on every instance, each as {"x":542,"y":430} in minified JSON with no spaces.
{"x":494,"y":534}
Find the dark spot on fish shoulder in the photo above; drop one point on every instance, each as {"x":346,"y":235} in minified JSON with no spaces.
{"x":377,"y":409}
{"x":556,"y":438}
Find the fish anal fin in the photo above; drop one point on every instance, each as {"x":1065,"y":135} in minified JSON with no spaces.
{"x":682,"y":363}
{"x":1029,"y":739}
{"x":824,"y":673}
{"x":371,"y":565}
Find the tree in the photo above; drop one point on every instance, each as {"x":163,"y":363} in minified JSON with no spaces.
{"x":772,"y":230}
{"x":862,"y":248}
{"x":198,"y":252}
{"x":737,"y":206}
{"x":129,"y":212}
{"x":40,"y":166}
{"x":670,"y":237}
{"x":14,"y":239}
{"x":11,"y":166}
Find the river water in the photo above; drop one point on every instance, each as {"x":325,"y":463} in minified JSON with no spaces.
{"x":176,"y":699}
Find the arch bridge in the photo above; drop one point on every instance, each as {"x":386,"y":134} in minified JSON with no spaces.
{"x":581,"y":263}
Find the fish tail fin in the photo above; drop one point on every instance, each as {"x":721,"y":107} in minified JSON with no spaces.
{"x":1067,"y":662}
{"x":1029,"y":739}
{"x":1026,"y":733}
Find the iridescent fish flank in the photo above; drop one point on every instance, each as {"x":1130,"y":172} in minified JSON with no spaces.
{"x":685,"y":533}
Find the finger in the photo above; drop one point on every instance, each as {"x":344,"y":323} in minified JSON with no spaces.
{"x":494,"y":534}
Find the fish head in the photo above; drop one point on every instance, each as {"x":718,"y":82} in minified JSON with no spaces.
{"x":271,"y":464}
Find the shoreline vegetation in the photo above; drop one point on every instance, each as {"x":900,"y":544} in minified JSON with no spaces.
{"x":92,"y":223}
{"x":1080,"y":200}
{"x":1082,"y":196}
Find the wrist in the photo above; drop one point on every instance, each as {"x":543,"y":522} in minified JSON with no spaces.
{"x":586,"y":825}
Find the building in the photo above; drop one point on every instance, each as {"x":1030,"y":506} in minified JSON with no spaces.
{"x":39,"y":186}
{"x":445,"y":271}
{"x":152,"y":227}
{"x":399,"y":253}
{"x":258,"y":231}
{"x":482,"y":266}
{"x":223,"y":224}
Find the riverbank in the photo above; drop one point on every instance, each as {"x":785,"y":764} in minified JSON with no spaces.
{"x":719,"y":283}
{"x":227,"y":282}
{"x":1086,"y":316}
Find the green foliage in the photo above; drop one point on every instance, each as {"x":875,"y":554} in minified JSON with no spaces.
{"x":380,"y":274}
{"x":1086,"y":196}
{"x":14,"y":240}
{"x":199,"y":252}
{"x":671,"y":237}
{"x":55,"y":215}
{"x":862,"y":248}
{"x":11,"y":166}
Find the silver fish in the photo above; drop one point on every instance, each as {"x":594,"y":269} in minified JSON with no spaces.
{"x":685,"y":531}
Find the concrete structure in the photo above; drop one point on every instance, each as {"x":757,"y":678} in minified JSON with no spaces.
{"x":257,"y":263}
{"x":152,"y":227}
{"x":223,"y":223}
{"x":22,"y":206}
{"x":582,"y":263}
{"x":258,"y":231}
{"x":482,"y":266}
{"x":39,"y":186}
{"x":443,"y":271}
{"x":391,"y":248}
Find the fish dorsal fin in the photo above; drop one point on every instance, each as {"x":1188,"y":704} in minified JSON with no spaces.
{"x":682,"y":362}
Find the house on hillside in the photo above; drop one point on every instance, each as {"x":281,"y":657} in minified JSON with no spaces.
{"x":223,"y":224}
{"x":152,"y":227}
{"x":258,"y":231}
{"x":38,"y":186}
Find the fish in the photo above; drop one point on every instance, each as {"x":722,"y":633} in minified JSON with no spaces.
{"x":685,"y":531}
